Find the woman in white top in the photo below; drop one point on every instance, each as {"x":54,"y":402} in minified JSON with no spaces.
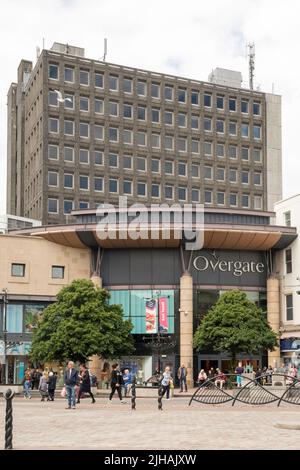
{"x":166,"y":381}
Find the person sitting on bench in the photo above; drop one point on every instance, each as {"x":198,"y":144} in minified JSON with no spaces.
{"x":220,"y":378}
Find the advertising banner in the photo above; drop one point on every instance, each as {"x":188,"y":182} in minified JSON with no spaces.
{"x":151,"y":316}
{"x":163,"y":314}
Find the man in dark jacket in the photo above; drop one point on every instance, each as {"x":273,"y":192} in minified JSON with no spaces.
{"x":116,"y":382}
{"x":181,"y":375}
{"x":70,"y":380}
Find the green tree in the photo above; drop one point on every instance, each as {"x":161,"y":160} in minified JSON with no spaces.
{"x":234,"y":325}
{"x":81,"y":323}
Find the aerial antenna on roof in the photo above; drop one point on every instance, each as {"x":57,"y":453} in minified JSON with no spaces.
{"x":251,"y":55}
{"x":105,"y":50}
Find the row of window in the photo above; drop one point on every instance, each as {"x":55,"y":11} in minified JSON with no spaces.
{"x":84,"y":154}
{"x":154,"y":191}
{"x":83,"y":181}
{"x":156,"y":90}
{"x":155,"y":115}
{"x":183,"y":170}
{"x":19,"y":270}
{"x":128,"y":135}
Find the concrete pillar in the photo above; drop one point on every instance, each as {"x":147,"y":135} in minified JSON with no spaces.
{"x":95,"y":363}
{"x":273,"y":307}
{"x":186,"y":325}
{"x":97,"y":280}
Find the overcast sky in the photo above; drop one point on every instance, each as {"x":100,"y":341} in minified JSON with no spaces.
{"x":188,"y":38}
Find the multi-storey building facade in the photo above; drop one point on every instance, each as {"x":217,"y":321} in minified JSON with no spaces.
{"x":288,"y":268}
{"x":82,"y":132}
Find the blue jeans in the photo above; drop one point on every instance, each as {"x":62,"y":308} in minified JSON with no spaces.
{"x":70,"y":389}
{"x":26,"y":388}
{"x":182,"y":382}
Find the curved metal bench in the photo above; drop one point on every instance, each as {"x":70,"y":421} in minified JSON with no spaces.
{"x":252,"y":391}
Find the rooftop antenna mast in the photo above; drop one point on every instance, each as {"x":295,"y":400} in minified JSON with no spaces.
{"x":251,"y":55}
{"x":105,"y":50}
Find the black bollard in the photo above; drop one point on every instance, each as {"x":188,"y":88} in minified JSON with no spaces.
{"x":133,"y":393}
{"x":160,"y":398}
{"x":8,"y":419}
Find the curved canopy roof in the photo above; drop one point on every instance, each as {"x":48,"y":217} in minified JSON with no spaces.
{"x":216,"y":236}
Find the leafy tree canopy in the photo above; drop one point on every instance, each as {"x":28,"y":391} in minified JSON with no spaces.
{"x":81,"y":323}
{"x":234,"y":325}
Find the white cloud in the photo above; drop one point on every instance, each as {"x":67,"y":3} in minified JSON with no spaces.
{"x":185,"y":38}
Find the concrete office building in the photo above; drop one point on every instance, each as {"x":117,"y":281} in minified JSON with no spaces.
{"x":288,"y":268}
{"x":82,"y":132}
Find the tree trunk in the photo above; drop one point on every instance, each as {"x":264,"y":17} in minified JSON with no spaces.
{"x":233,"y":362}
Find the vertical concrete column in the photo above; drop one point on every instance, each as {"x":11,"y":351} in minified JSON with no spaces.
{"x":186,"y":325}
{"x":273,"y":306}
{"x":95,"y":364}
{"x":97,"y":280}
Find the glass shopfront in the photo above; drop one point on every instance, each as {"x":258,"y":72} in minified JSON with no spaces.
{"x":203,"y":301}
{"x":134,"y":303}
{"x":21,"y":319}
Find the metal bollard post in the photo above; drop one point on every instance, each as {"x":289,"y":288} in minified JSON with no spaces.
{"x":8,"y":419}
{"x":159,"y":398}
{"x":133,"y":393}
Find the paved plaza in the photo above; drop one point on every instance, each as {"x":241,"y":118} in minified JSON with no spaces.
{"x":47,"y":425}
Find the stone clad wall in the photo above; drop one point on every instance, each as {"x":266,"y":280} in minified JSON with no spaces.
{"x":39,"y":256}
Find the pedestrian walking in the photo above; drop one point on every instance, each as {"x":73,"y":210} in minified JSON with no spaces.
{"x":51,"y":386}
{"x":70,"y":381}
{"x":258,"y":374}
{"x":116,"y":382}
{"x":43,"y":386}
{"x":269,"y":373}
{"x":239,"y":371}
{"x":165,"y":383}
{"x":127,"y":380}
{"x":32,"y":378}
{"x":85,"y":383}
{"x":37,"y":376}
{"x":182,"y":375}
{"x":26,"y":384}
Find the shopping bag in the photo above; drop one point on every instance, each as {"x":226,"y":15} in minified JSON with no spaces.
{"x":63,"y":392}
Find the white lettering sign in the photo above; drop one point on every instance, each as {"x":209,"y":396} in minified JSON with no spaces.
{"x":238,"y":268}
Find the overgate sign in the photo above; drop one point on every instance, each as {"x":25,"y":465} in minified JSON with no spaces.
{"x":237,"y":268}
